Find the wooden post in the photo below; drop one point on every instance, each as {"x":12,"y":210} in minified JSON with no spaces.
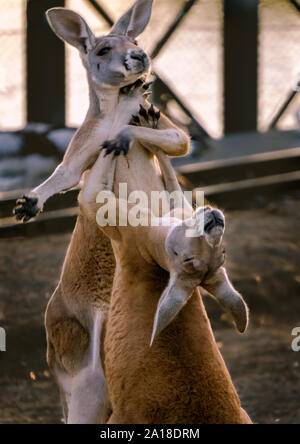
{"x":45,"y":66}
{"x":240,"y":65}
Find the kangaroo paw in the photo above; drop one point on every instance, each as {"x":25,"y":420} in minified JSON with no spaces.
{"x":138,"y":88}
{"x":139,"y":85}
{"x":26,"y":208}
{"x":118,"y":146}
{"x":135,"y":121}
{"x":148,"y":118}
{"x":154,"y":116}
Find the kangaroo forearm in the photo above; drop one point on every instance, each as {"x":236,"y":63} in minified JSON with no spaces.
{"x":80,"y":155}
{"x":171,"y":141}
{"x":62,"y":179}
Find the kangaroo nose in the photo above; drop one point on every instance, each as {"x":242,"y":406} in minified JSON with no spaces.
{"x":215,"y":219}
{"x":140,"y":56}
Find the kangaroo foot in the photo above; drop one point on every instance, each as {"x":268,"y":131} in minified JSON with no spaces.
{"x":26,"y":208}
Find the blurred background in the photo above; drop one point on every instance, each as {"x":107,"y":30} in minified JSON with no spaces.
{"x":228,"y":72}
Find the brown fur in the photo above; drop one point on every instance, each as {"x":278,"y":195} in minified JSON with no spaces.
{"x":86,"y":280}
{"x":182,"y":379}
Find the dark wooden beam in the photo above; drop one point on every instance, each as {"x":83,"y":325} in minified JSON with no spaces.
{"x":45,"y":66}
{"x":59,"y":225}
{"x":240,"y":65}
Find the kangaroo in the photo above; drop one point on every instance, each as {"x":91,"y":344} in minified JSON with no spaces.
{"x":117,"y":70}
{"x":182,"y":378}
{"x":120,"y":120}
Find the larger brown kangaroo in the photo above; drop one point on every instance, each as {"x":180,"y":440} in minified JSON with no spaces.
{"x":182,"y":378}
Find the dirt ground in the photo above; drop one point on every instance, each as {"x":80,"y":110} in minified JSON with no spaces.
{"x":263,"y":249}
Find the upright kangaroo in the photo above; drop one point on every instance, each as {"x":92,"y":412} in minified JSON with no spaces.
{"x":116,"y":70}
{"x":120,"y":120}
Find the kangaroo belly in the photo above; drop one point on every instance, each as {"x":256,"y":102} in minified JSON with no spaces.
{"x":139,"y":170}
{"x":181,"y":379}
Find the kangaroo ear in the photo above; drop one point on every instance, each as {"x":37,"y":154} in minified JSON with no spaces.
{"x":135,"y":20}
{"x":171,"y":302}
{"x":220,"y":287}
{"x":71,"y":28}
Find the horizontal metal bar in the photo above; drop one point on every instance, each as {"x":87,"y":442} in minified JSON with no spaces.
{"x":239,"y":168}
{"x":242,"y":194}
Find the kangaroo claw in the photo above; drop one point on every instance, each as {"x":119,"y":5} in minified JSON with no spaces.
{"x":150,"y":117}
{"x":143,"y":113}
{"x":147,"y":86}
{"x":117,"y":146}
{"x":136,"y":120}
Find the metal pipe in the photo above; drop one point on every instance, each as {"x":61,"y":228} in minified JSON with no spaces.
{"x":186,"y":8}
{"x":101,"y":11}
{"x":285,"y":106}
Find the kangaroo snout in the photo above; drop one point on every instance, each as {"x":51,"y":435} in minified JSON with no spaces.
{"x":137,"y":60}
{"x":140,"y":56}
{"x":212,"y":219}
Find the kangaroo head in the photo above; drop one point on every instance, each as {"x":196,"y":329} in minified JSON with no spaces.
{"x":194,"y":247}
{"x":114,"y":60}
{"x":198,"y":260}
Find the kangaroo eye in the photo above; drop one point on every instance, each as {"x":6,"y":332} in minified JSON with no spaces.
{"x":103,"y":51}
